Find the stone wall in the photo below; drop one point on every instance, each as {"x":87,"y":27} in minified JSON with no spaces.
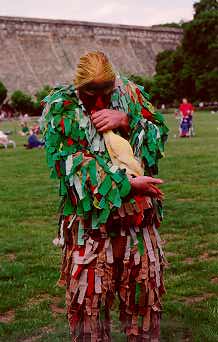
{"x":35,"y":52}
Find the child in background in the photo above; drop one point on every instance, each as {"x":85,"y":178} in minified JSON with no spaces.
{"x":186,"y":126}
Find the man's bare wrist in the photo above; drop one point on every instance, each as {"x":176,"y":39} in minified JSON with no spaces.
{"x":125,"y":122}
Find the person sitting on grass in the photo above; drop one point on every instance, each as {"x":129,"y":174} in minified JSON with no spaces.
{"x":33,"y":141}
{"x":5,"y":141}
{"x":24,"y":129}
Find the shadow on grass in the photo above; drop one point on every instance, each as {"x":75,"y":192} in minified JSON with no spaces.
{"x":171,"y":331}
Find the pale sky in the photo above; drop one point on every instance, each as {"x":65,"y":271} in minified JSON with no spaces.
{"x":130,"y":12}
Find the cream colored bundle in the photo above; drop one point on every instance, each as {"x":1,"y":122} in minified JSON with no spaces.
{"x":121,"y":154}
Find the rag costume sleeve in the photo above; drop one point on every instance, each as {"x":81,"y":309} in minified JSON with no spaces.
{"x":148,"y":129}
{"x":91,"y":188}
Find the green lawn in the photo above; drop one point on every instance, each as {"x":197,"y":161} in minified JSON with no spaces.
{"x":32,"y":306}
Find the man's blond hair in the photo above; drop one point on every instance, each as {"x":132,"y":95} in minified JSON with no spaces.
{"x":94,"y":66}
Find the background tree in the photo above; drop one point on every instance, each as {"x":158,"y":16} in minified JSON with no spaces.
{"x":192,"y":69}
{"x":22,"y":102}
{"x":205,"y":6}
{"x":3,"y":93}
{"x":200,"y":47}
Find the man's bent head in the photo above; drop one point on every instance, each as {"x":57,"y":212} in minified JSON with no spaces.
{"x":93,"y":67}
{"x":94,"y":80}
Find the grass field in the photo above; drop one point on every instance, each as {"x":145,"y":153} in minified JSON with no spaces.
{"x":32,"y":306}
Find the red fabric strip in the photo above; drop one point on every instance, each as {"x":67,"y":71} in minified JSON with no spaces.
{"x":91,"y":282}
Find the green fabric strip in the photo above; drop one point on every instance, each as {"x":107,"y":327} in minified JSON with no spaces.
{"x":80,"y":240}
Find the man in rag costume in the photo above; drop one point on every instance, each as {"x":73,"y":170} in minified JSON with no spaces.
{"x":103,"y":140}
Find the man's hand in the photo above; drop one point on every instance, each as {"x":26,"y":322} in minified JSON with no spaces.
{"x":107,"y":119}
{"x":143,"y":185}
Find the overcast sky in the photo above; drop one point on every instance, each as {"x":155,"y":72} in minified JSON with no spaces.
{"x":130,"y":12}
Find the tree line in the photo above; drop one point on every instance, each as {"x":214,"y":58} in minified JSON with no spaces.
{"x":192,"y":69}
{"x":21,"y":102}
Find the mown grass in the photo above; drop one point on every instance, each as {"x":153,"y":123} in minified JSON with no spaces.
{"x":29,"y":264}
